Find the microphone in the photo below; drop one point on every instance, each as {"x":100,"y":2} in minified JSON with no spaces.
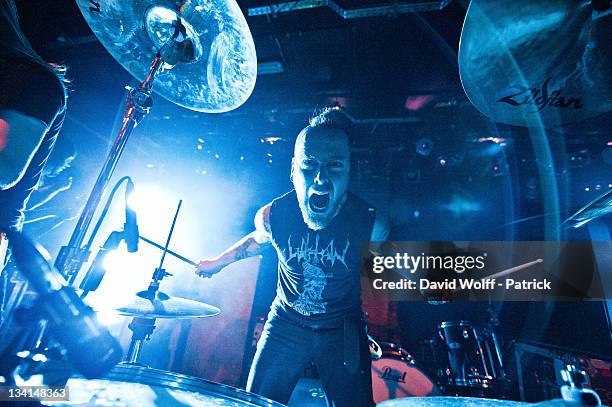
{"x":130,"y":228}
{"x":89,"y":345}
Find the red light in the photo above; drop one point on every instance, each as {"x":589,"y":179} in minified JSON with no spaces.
{"x":4,"y":131}
{"x":417,"y":102}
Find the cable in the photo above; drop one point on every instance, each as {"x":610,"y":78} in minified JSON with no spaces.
{"x":105,"y":210}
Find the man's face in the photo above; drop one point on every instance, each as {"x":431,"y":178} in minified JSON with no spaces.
{"x":320,"y":174}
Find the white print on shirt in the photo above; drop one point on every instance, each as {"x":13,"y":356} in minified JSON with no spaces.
{"x":313,"y":259}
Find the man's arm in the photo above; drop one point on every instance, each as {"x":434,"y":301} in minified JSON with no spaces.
{"x":250,"y":245}
{"x":20,"y":136}
{"x":380,"y":233}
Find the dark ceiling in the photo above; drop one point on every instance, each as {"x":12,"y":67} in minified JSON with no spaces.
{"x":373,"y":63}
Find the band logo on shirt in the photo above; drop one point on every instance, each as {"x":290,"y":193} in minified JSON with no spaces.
{"x":313,"y":258}
{"x":315,"y":253}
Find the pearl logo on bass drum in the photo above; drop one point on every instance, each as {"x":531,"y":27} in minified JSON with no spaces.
{"x":391,"y":374}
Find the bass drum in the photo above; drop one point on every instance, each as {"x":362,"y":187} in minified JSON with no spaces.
{"x":135,"y":386}
{"x":395,"y":374}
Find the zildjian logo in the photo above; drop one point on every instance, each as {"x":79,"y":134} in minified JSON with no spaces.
{"x":540,"y":98}
{"x":327,"y":255}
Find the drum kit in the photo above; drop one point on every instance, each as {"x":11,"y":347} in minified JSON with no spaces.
{"x":460,"y":360}
{"x":199,"y":54}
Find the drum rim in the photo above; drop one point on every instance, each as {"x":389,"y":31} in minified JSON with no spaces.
{"x":461,"y":323}
{"x":178,"y":381}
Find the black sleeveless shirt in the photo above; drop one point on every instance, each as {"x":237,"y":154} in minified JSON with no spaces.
{"x":319,"y":271}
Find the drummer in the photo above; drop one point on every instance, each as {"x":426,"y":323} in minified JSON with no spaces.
{"x":32,"y":108}
{"x":317,"y":230}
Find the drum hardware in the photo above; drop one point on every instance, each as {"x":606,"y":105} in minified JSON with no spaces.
{"x":375,"y":349}
{"x":471,"y":358}
{"x":129,"y":234}
{"x":151,"y":304}
{"x":574,"y":390}
{"x":197,"y":58}
{"x":545,"y":371}
{"x":138,"y":103}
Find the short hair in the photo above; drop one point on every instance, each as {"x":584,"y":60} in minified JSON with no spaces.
{"x":332,"y":118}
{"x":328,"y":118}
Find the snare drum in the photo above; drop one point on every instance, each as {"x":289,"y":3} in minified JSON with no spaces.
{"x":135,"y":386}
{"x":395,"y":374}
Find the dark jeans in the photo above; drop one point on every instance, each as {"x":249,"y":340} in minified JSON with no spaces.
{"x":285,"y":349}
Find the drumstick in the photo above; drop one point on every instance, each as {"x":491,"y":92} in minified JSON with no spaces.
{"x":170,"y":252}
{"x":508,"y":271}
{"x":513,"y":269}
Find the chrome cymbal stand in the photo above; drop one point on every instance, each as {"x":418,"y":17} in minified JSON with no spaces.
{"x":138,"y":104}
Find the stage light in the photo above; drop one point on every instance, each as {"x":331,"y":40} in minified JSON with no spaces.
{"x":153,"y":204}
{"x":460,"y":205}
{"x":414,"y":103}
{"x":126,"y":273}
{"x":424,"y":146}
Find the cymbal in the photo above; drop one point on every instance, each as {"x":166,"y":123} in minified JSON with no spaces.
{"x":165,"y":306}
{"x":219,"y":65}
{"x":600,"y":206}
{"x":533,"y":63}
{"x":467,"y":402}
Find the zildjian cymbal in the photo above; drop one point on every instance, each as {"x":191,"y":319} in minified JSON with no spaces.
{"x":537,"y":63}
{"x":216,"y":67}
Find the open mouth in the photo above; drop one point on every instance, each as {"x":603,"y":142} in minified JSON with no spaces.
{"x":319,"y":201}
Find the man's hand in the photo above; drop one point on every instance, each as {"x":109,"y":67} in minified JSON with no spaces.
{"x":208,"y":268}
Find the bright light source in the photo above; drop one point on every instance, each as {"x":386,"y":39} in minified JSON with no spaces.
{"x":126,"y":274}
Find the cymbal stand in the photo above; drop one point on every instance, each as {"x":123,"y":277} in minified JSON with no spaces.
{"x":142,"y":328}
{"x":138,"y":104}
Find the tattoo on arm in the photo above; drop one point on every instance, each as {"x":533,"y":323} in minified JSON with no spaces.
{"x":245,"y":247}
{"x":242,"y":250}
